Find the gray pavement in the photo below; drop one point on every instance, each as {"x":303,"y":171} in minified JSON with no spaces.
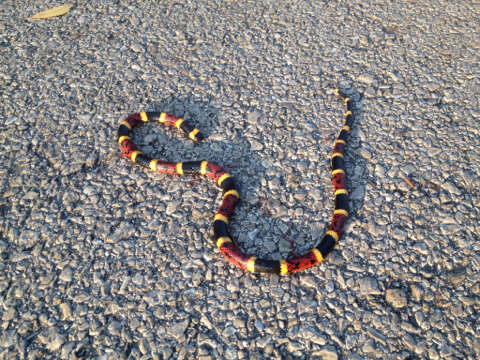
{"x":102,"y":259}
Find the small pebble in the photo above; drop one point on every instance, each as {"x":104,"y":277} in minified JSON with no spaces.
{"x":396,"y":298}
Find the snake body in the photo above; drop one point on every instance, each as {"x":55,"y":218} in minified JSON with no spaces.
{"x":224,"y":241}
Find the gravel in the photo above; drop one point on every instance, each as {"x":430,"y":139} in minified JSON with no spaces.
{"x":102,"y":259}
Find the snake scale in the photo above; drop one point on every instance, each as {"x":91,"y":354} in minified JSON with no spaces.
{"x":224,"y":241}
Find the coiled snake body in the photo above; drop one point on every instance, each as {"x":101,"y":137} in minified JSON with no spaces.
{"x":224,"y":242}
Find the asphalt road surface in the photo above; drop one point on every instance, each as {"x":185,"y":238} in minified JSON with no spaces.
{"x":101,"y":259}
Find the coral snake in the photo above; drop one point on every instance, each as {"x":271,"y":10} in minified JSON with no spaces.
{"x":224,"y":241}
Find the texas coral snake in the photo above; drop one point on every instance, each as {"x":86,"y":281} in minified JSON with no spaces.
{"x":225,"y":243}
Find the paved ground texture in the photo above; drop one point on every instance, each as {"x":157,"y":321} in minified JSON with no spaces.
{"x":102,"y":259}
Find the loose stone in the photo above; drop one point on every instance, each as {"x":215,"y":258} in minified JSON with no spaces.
{"x":396,"y":298}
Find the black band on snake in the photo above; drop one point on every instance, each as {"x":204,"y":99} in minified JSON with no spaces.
{"x":222,"y":237}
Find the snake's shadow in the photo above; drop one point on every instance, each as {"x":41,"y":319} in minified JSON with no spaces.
{"x":357,"y":175}
{"x":236,"y":155}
